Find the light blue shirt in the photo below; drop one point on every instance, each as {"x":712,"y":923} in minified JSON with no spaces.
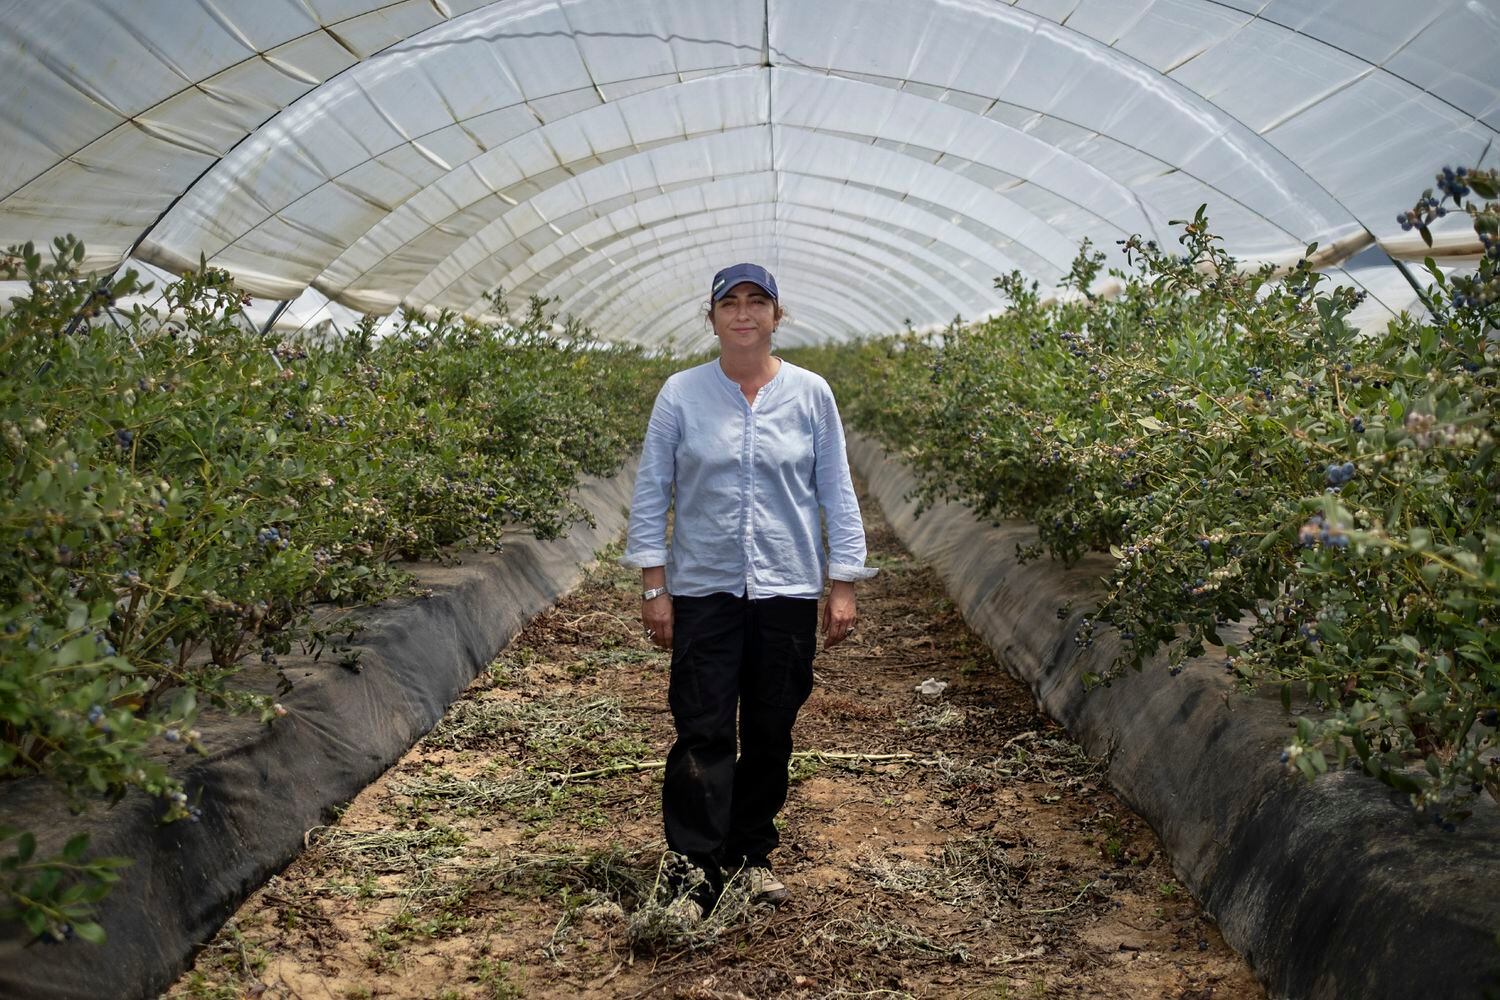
{"x":748,"y":483}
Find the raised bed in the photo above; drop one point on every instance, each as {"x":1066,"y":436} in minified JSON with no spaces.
{"x":1329,"y":890}
{"x":263,"y":787}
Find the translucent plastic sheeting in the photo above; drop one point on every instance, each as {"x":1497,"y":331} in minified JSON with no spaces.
{"x":887,"y":158}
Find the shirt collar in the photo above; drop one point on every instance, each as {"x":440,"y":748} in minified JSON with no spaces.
{"x":734,"y":386}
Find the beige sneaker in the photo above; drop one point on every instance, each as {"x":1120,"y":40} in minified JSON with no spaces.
{"x":765,"y":886}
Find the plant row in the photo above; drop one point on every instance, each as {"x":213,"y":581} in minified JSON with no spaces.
{"x":1247,"y":456}
{"x":181,"y":488}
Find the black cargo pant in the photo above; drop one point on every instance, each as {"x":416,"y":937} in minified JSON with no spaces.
{"x":733,"y":656}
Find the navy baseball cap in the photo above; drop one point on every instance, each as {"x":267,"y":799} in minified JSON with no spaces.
{"x":736,"y":273}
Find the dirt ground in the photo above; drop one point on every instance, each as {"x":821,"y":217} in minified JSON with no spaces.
{"x":948,"y":845}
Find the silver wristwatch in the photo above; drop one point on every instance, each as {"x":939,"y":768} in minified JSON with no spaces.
{"x":653,"y":593}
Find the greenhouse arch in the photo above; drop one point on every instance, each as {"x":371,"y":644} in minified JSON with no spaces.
{"x":423,"y":153}
{"x":445,"y":440}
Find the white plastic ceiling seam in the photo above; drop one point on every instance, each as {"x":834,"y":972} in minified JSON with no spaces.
{"x":602,"y":285}
{"x":1103,"y":213}
{"x":583,"y":265}
{"x":411,"y":51}
{"x":332,"y":290}
{"x":902,"y":219}
{"x":593,"y":239}
{"x":1479,"y":99}
{"x":1039,"y":32}
{"x":1262,"y":14}
{"x":810,"y":280}
{"x":141,"y":117}
{"x":1035,"y":224}
{"x":1434,"y":12}
{"x":934,"y":281}
{"x":1267,"y":14}
{"x":596,"y":85}
{"x":941,"y":282}
{"x":647,"y":256}
{"x":483,"y":282}
{"x":483,"y":247}
{"x":842,"y":274}
{"x":536,"y":133}
{"x":1358,"y":21}
{"x":1207,"y":183}
{"x":457,"y":206}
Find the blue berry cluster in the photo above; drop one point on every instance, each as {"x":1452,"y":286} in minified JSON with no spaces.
{"x":1426,"y":211}
{"x":1317,"y":531}
{"x":271,"y":536}
{"x":1339,"y":473}
{"x":1454,"y":183}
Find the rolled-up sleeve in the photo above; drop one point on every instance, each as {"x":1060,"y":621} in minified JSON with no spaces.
{"x":646,"y":535}
{"x":841,"y":516}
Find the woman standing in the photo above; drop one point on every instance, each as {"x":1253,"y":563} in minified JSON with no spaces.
{"x":748,"y":449}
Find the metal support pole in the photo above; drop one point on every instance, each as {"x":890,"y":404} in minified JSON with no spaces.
{"x":1411,"y":280}
{"x":275,"y":315}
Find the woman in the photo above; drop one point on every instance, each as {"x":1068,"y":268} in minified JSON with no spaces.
{"x":747,"y":449}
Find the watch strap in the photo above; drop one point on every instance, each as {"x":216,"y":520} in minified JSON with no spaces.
{"x":653,"y":593}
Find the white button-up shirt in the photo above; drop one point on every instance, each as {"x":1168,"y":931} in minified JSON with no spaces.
{"x":748,"y":482}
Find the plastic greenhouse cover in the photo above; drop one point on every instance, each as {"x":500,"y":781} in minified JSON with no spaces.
{"x":886,"y":158}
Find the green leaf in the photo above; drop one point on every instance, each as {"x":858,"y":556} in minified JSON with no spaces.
{"x":25,"y":847}
{"x":77,"y":844}
{"x":1426,"y":234}
{"x":35,"y":921}
{"x":1482,"y":187}
{"x":89,"y":931}
{"x":178,"y":572}
{"x":76,"y":651}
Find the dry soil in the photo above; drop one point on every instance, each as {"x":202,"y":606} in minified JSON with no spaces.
{"x":951,"y":845}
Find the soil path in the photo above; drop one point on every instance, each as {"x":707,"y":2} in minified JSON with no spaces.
{"x":961,"y":846}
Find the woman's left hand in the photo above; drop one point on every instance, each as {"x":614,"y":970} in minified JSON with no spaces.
{"x":838,"y":613}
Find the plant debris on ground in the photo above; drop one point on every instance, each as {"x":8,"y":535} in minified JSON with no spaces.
{"x":957,"y":845}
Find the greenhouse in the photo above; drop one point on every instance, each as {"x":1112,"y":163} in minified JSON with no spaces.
{"x":387,"y":384}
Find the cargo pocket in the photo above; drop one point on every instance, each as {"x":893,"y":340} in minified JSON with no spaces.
{"x":785,"y":676}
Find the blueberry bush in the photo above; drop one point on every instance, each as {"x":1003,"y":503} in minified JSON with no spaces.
{"x":1246,"y":456}
{"x":182,"y":488}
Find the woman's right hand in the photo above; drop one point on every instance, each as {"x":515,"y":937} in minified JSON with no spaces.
{"x":656,"y":615}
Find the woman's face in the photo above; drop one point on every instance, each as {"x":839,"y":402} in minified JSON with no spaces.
{"x":745,"y":317}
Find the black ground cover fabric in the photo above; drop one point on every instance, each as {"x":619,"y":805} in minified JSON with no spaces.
{"x":1329,"y":890}
{"x":261,"y":788}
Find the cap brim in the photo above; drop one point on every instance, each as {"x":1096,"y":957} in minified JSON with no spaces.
{"x":728,"y":287}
